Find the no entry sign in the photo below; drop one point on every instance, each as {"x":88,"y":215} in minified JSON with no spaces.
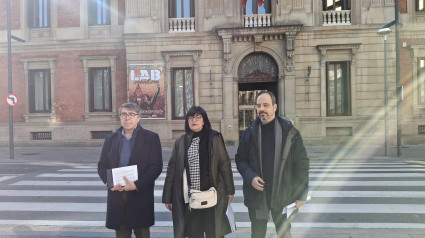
{"x":11,"y":99}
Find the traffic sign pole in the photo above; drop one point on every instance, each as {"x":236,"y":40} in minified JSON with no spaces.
{"x":9,"y":64}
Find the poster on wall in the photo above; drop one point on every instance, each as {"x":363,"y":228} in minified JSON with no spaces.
{"x":146,"y":88}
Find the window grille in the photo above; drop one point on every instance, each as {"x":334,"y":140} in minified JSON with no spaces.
{"x":100,"y":134}
{"x":45,"y":135}
{"x":421,"y":129}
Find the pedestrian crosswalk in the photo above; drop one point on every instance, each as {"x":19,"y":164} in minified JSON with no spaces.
{"x":369,"y":194}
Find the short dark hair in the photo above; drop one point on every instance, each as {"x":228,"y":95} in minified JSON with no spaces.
{"x":269,"y":93}
{"x":193,"y":111}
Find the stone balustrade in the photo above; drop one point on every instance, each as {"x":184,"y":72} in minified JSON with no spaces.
{"x":181,"y":24}
{"x":336,"y":18}
{"x":258,"y":20}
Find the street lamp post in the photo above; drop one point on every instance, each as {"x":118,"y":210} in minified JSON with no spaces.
{"x":384,"y":33}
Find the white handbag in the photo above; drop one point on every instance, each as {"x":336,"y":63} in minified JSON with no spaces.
{"x":202,"y":199}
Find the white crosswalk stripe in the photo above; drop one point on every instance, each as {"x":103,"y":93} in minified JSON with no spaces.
{"x":347,"y":190}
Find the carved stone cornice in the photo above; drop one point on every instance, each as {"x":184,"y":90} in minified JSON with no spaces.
{"x":250,"y":31}
{"x":415,"y":48}
{"x":257,"y":35}
{"x":168,"y":54}
{"x":324,"y":48}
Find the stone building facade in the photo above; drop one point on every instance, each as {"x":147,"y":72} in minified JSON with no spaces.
{"x":323,"y":59}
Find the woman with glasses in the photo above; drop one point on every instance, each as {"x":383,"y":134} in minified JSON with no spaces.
{"x":200,"y":158}
{"x":130,"y":208}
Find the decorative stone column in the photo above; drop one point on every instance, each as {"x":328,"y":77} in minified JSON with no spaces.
{"x":289,"y":79}
{"x":229,"y":122}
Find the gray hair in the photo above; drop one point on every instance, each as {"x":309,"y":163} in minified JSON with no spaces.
{"x":131,"y":106}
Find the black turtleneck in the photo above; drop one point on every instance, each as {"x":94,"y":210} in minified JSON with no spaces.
{"x":267,"y":151}
{"x":204,"y":160}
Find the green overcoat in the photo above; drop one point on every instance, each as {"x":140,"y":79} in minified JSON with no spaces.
{"x":222,"y":178}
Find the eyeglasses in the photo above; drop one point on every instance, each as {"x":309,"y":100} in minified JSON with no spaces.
{"x":194,"y":118}
{"x":129,"y":115}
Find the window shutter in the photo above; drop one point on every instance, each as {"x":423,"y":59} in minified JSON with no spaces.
{"x":49,"y":88}
{"x":192,"y":8}
{"x":92,"y":14}
{"x":172,"y":9}
{"x":48,"y":13}
{"x":31,"y":89}
{"x":30,"y":10}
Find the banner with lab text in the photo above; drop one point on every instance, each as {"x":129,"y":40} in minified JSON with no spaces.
{"x":146,"y":88}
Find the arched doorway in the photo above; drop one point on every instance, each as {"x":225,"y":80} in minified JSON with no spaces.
{"x":256,"y":72}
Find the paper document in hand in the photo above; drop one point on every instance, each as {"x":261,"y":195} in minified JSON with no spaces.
{"x":231,"y":217}
{"x":116,"y":175}
{"x":292,"y":207}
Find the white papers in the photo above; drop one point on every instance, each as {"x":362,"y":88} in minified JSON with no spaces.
{"x":185,"y":187}
{"x":292,"y":207}
{"x":128,"y":171}
{"x":231,"y":217}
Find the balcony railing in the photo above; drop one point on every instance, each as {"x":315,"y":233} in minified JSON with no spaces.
{"x":337,"y":18}
{"x":181,"y":24}
{"x":258,"y":20}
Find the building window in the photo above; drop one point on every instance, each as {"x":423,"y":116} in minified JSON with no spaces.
{"x":181,"y":8}
{"x":39,"y":91}
{"x":421,"y":81}
{"x":99,"y":12}
{"x":338,"y":88}
{"x":39,"y":13}
{"x":336,"y":5}
{"x":182,"y":91}
{"x":420,"y":4}
{"x":251,"y":7}
{"x":100,"y":90}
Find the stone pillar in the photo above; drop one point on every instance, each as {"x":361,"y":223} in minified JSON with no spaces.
{"x":228,"y":97}
{"x":289,"y":82}
{"x":229,"y":123}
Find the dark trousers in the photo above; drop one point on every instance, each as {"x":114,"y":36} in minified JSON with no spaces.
{"x":259,"y":226}
{"x":200,"y":222}
{"x":125,"y":232}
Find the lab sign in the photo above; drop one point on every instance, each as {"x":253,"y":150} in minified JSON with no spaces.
{"x":146,"y":89}
{"x":146,"y":75}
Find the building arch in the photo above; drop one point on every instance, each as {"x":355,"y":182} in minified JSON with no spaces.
{"x":251,"y":49}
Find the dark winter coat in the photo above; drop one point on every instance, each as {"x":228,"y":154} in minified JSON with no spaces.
{"x":222,"y":178}
{"x":293,"y":176}
{"x":147,"y":155}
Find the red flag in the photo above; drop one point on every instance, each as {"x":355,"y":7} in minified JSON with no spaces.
{"x":260,"y":2}
{"x":244,"y":3}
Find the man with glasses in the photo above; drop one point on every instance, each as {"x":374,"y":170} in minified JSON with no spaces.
{"x":273,"y":162}
{"x":131,"y":207}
